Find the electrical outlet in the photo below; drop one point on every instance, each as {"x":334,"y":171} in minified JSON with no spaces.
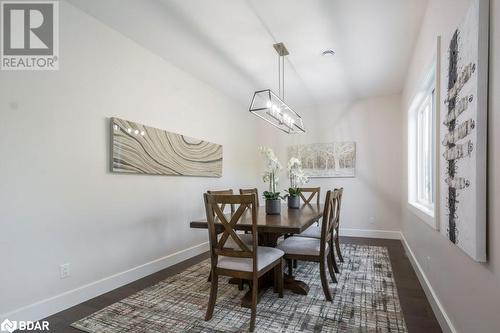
{"x":64,"y":271}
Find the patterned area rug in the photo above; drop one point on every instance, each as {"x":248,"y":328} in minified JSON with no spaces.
{"x":365,"y":300}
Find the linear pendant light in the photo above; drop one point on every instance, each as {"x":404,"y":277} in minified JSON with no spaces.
{"x":271,"y":107}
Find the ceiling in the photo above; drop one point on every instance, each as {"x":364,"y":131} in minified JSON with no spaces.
{"x":228,"y":43}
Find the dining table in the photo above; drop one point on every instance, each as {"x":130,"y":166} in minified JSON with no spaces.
{"x":270,"y":228}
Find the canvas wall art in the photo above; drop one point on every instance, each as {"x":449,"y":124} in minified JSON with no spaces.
{"x":336,"y":159}
{"x":463,"y":133}
{"x":141,"y":149}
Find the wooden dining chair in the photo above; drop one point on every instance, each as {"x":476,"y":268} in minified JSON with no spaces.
{"x":317,"y":250}
{"x":312,"y":192}
{"x":245,"y":262}
{"x":314,"y":231}
{"x":251,"y":191}
{"x":228,"y":192}
{"x":247,"y":239}
{"x":337,"y":225}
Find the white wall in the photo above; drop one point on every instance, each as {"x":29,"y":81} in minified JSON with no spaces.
{"x":469,"y":292}
{"x":371,"y":199}
{"x":58,"y":201}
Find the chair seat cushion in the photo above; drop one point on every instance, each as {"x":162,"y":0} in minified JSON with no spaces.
{"x":246,"y":238}
{"x":301,"y":246}
{"x":313,"y":231}
{"x":265,"y":256}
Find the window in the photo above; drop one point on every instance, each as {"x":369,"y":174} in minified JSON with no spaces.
{"x":422,"y":150}
{"x":425,"y":152}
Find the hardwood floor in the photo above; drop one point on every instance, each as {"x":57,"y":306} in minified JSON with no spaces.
{"x":417,"y":310}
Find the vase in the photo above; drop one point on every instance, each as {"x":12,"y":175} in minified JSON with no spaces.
{"x":273,"y":206}
{"x":294,"y":202}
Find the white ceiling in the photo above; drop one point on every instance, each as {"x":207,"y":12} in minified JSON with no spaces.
{"x":228,"y":43}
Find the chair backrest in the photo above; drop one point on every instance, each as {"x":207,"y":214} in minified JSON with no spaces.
{"x":313,"y":191}
{"x":227,"y":192}
{"x":213,"y":204}
{"x":340,"y":191}
{"x":251,"y":191}
{"x":329,"y":217}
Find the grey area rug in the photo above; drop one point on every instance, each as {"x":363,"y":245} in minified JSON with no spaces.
{"x":365,"y":300}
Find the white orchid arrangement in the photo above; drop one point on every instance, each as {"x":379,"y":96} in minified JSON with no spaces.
{"x":297,"y":176}
{"x":271,"y":175}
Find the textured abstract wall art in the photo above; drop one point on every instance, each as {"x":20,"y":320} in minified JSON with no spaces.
{"x":142,"y":149}
{"x":463,"y":133}
{"x":336,"y":159}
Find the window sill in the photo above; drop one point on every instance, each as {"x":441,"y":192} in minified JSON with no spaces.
{"x":423,"y":213}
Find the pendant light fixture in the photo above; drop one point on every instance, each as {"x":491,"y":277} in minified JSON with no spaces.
{"x":271,"y":107}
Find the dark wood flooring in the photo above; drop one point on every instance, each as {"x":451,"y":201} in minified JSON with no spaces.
{"x":417,"y":311}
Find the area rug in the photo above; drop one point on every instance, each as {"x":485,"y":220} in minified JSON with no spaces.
{"x":365,"y":300}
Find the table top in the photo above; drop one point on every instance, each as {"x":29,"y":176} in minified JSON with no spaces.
{"x":293,"y":221}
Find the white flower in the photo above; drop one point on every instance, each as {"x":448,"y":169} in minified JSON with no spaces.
{"x":294,"y":163}
{"x":297,"y":175}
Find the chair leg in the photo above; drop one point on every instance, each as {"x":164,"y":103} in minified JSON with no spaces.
{"x":332,"y":254}
{"x":331,"y":266}
{"x":278,"y":279}
{"x":209,"y":276}
{"x":294,"y":263}
{"x":337,"y":247}
{"x":213,"y":296}
{"x":240,"y":284}
{"x":324,"y":281}
{"x":255,"y":291}
{"x":290,"y":267}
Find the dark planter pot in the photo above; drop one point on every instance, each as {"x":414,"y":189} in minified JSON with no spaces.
{"x":273,"y":207}
{"x":293,"y":202}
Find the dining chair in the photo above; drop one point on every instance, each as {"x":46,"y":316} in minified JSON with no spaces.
{"x":247,"y":262}
{"x":228,"y":192}
{"x":251,"y":191}
{"x":247,"y":239}
{"x":312,"y":191}
{"x":317,"y":250}
{"x":314,"y":231}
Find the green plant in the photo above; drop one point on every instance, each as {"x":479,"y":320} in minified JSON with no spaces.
{"x":292,"y":192}
{"x":272,"y":195}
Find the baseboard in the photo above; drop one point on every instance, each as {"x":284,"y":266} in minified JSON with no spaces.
{"x":55,"y":304}
{"x":367,"y":233}
{"x":437,"y":307}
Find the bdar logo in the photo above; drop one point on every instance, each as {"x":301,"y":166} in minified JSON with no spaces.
{"x":8,"y":326}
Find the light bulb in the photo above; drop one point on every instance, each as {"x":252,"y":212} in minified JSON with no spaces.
{"x":129,"y":130}
{"x":136,"y":132}
{"x":269,"y":104}
{"x":142,"y":133}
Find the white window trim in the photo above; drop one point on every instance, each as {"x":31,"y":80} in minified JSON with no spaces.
{"x":427,"y":214}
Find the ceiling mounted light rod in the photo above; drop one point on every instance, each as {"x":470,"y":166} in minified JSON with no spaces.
{"x":271,"y":107}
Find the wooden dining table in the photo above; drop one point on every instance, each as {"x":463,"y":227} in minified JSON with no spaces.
{"x":270,"y":228}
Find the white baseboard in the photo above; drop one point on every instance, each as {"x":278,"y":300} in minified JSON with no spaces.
{"x":57,"y":303}
{"x":367,"y":233}
{"x":437,"y":307}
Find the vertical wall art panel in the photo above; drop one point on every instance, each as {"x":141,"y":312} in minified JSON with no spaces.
{"x":336,"y":159}
{"x":463,"y":133}
{"x":147,"y":150}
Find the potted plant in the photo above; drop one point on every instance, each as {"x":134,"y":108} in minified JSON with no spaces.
{"x":297,"y":178}
{"x":271,"y":175}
